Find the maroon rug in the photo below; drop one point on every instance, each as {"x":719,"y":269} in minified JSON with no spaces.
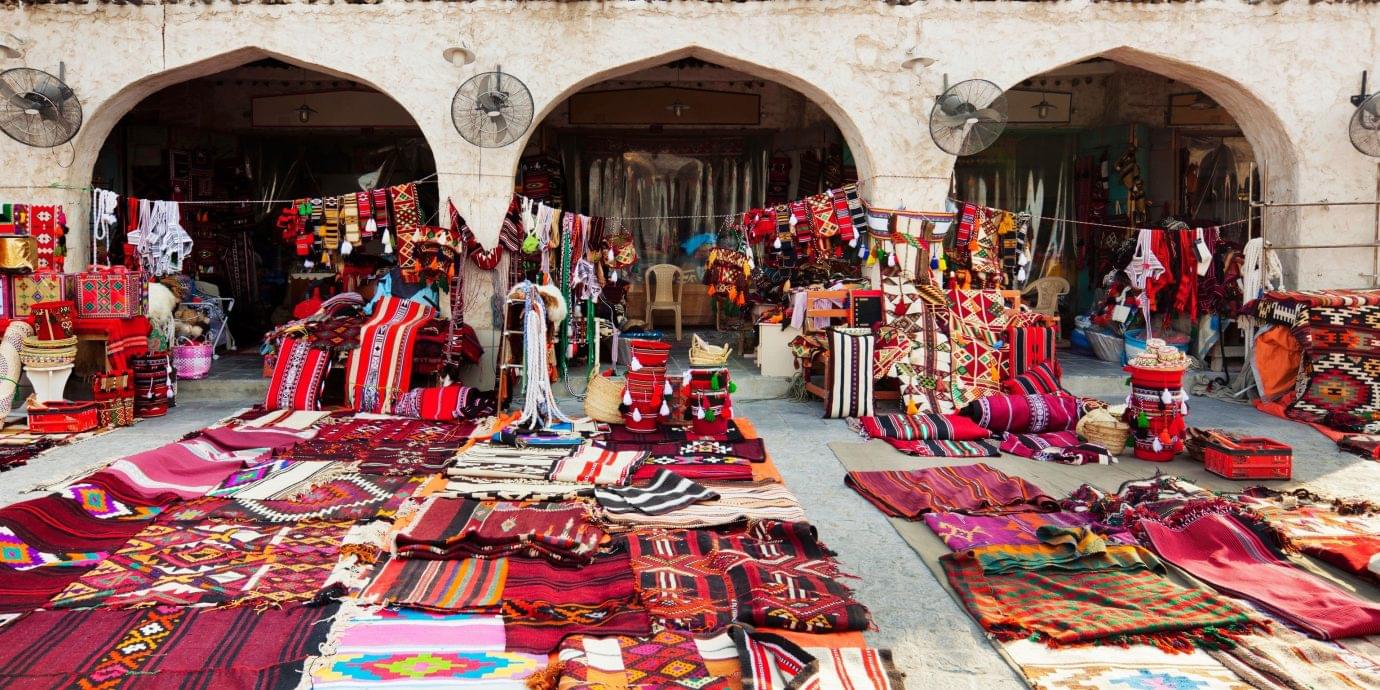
{"x":1218,"y":549}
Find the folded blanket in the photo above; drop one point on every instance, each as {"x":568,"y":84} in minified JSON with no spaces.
{"x":1027,"y":445}
{"x":455,"y":528}
{"x":975,"y":489}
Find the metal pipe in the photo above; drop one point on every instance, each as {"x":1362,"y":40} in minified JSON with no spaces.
{"x":1294,"y":204}
{"x":1367,"y":245}
{"x":1375,"y":277}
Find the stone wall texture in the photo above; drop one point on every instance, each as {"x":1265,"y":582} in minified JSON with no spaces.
{"x":1284,"y":70}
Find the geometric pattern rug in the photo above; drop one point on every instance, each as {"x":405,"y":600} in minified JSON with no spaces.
{"x":347,"y":497}
{"x":212,"y":563}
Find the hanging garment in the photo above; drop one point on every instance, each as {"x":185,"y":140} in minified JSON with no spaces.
{"x":1144,"y":264}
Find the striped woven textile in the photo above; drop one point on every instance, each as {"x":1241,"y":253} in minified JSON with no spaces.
{"x":850,"y":360}
{"x":468,"y":584}
{"x":381,"y":368}
{"x":737,"y":502}
{"x":598,"y":466}
{"x":933,"y":427}
{"x":667,"y":491}
{"x":945,"y":449}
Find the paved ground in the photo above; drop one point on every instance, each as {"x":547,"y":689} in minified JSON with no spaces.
{"x":934,"y":641}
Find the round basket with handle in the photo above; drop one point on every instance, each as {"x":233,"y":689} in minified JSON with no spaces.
{"x":192,"y":359}
{"x":603,"y":395}
{"x":703,"y":354}
{"x":1111,"y":435}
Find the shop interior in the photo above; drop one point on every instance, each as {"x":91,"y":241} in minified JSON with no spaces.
{"x":670,"y":151}
{"x":263,"y":131}
{"x":1107,"y":143}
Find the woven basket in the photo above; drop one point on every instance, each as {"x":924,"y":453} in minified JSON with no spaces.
{"x":1109,"y":435}
{"x":1108,"y":347}
{"x":193,"y":360}
{"x":603,"y":396}
{"x":702,"y":354}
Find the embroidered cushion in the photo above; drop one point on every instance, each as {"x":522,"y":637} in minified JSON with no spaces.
{"x":297,"y":376}
{"x":1042,"y":378}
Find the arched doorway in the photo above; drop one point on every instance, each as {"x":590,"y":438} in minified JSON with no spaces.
{"x":1098,"y":147}
{"x":673,"y":149}
{"x":230,"y":142}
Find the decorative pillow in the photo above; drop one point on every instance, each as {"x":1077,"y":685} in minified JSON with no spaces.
{"x":1042,"y":378}
{"x":923,"y":427}
{"x":1024,"y":413}
{"x":298,"y":375}
{"x":446,"y":403}
{"x":850,"y":362}
{"x":1026,"y":347}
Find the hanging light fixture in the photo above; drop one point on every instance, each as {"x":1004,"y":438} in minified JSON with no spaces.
{"x":1044,"y":107}
{"x":678,"y":108}
{"x":304,"y":113}
{"x":1201,"y":102}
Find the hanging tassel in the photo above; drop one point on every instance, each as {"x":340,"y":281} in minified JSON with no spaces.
{"x":685,"y":379}
{"x":709,"y":414}
{"x":627,"y":397}
{"x":387,"y":243}
{"x":1183,"y":408}
{"x":371,"y":228}
{"x":637,"y":415}
{"x":934,"y":263}
{"x":777,"y":243}
{"x":891,"y":259}
{"x":853,"y":242}
{"x":1159,"y":447}
{"x":1166,"y":397}
{"x":1143,"y":420}
{"x":732,"y":387}
{"x":309,"y":264}
{"x":699,"y":413}
{"x":346,"y":247}
{"x":912,"y":409}
{"x":635,"y":365}
{"x":862,"y":249}
{"x":714,"y":382}
{"x":943,"y":264}
{"x":613,"y":276}
{"x":665,"y":409}
{"x":666,"y":389}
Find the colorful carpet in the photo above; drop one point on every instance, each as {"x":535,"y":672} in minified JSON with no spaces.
{"x":977,"y":489}
{"x":456,"y":528}
{"x":411,"y":649}
{"x":1115,"y":595}
{"x":1136,"y":667}
{"x":1219,"y":550}
{"x":1338,"y":387}
{"x":346,"y":498}
{"x":180,"y":647}
{"x":212,"y":563}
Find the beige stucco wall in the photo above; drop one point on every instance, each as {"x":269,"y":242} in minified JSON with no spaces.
{"x":1284,"y":70}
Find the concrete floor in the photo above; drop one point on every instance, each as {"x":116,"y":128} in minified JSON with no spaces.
{"x":935,"y":642}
